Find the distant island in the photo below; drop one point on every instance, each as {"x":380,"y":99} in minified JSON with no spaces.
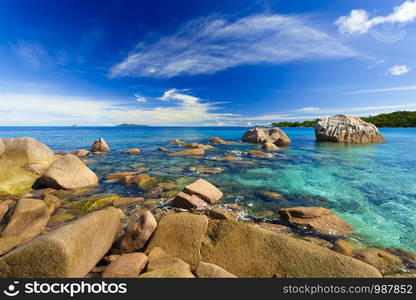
{"x":394,"y":119}
{"x":132,"y":125}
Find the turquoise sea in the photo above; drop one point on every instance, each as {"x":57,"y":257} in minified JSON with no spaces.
{"x":372,"y":187}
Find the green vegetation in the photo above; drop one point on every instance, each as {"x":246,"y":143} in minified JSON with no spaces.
{"x":131,"y":125}
{"x":395,"y":119}
{"x":295,"y":124}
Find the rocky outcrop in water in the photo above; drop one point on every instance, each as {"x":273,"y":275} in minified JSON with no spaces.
{"x":347,"y":129}
{"x":259,"y":135}
{"x":100,"y":145}
{"x":316,"y":219}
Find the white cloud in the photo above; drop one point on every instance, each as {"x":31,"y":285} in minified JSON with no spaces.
{"x":383,"y":90}
{"x":140,"y":98}
{"x":359,"y":21}
{"x":398,"y":70}
{"x":208,"y":45}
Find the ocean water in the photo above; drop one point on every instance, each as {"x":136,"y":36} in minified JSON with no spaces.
{"x":372,"y":187}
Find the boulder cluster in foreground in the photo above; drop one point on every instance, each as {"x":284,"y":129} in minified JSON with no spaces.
{"x":192,"y":235}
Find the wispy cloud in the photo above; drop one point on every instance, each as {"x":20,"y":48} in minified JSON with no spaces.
{"x":208,"y":45}
{"x":65,"y":110}
{"x":359,"y":21}
{"x":398,"y":70}
{"x":140,"y":98}
{"x":383,"y":90}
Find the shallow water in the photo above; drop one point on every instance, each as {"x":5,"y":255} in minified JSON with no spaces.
{"x":372,"y":187}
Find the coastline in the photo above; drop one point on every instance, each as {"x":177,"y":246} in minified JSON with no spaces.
{"x":158,"y":194}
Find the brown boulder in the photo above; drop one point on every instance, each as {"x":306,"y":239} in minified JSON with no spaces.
{"x":71,"y":250}
{"x":207,"y":270}
{"x":68,"y":172}
{"x":126,"y":266}
{"x":189,"y":152}
{"x":197,"y":146}
{"x":81,"y":153}
{"x":162,"y":149}
{"x":217,"y":140}
{"x":186,"y":201}
{"x":202,"y":169}
{"x":385,"y":262}
{"x":163,"y":265}
{"x":4,"y":207}
{"x":249,"y":251}
{"x":28,"y":220}
{"x":260,"y":135}
{"x":144,"y":181}
{"x":343,"y":247}
{"x":204,"y":190}
{"x":100,"y":145}
{"x":176,"y":142}
{"x":221,"y":214}
{"x":346,"y":129}
{"x":316,"y":219}
{"x":138,"y":233}
{"x":259,"y":154}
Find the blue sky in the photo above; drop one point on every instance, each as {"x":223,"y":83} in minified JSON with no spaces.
{"x":203,"y":63}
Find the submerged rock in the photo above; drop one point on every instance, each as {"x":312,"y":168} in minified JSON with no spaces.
{"x":28,"y":220}
{"x":346,"y":129}
{"x":145,"y":181}
{"x":260,"y":135}
{"x":100,"y":145}
{"x":343,"y":247}
{"x":189,"y":152}
{"x":126,"y":266}
{"x":68,"y":172}
{"x":249,"y":251}
{"x":27,"y":151}
{"x":162,"y":149}
{"x":68,"y":251}
{"x":316,"y":219}
{"x":197,"y":146}
{"x":259,"y":154}
{"x":207,"y":270}
{"x":204,"y":190}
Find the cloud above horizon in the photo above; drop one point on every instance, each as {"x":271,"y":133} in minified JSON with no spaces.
{"x":358,"y":22}
{"x":212,"y":44}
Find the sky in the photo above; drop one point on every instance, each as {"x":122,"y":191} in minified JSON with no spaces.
{"x":203,"y":63}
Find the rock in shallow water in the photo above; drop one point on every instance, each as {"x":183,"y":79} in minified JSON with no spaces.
{"x":261,"y":253}
{"x":14,"y":179}
{"x":347,"y":129}
{"x":207,"y":270}
{"x":69,"y":251}
{"x":316,"y":219}
{"x":100,"y":145}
